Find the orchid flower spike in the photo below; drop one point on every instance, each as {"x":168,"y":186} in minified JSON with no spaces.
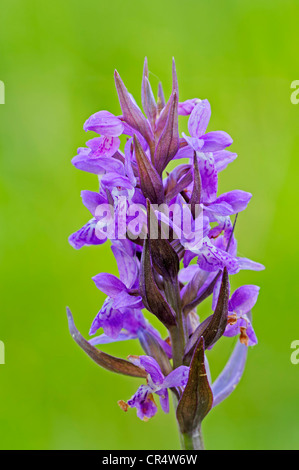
{"x":174,"y":243}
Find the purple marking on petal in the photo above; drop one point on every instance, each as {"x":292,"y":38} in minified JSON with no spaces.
{"x":108,"y":318}
{"x":106,"y":147}
{"x":143,"y":402}
{"x":86,"y":236}
{"x":140,"y":395}
{"x":209,"y":177}
{"x":212,"y":259}
{"x":97,"y":158}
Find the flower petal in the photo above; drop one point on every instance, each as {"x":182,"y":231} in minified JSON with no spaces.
{"x":104,"y":339}
{"x":108,"y":318}
{"x":177,"y":378}
{"x":199,"y":119}
{"x":230,"y":203}
{"x":231,"y":375}
{"x":194,"y":142}
{"x":126,"y":262}
{"x":124,"y":299}
{"x":109,"y":284}
{"x":164,"y":399}
{"x":104,"y":123}
{"x":222,"y":158}
{"x":86,"y":236}
{"x":212,"y":259}
{"x":98,"y":165}
{"x":112,"y":180}
{"x":151,"y":366}
{"x":243,"y":299}
{"x":215,"y":141}
{"x":245,"y":263}
{"x":186,"y":107}
{"x":209,"y":177}
{"x":106,"y":147}
{"x":92,"y":200}
{"x":143,"y":401}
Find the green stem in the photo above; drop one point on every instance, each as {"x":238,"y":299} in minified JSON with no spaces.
{"x":177,"y":346}
{"x":192,"y":441}
{"x":178,"y":333}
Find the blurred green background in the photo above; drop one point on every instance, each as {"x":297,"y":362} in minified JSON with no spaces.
{"x":57,"y":61}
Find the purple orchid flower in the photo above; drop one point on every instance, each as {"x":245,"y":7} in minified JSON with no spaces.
{"x":240,"y":304}
{"x":120,"y":299}
{"x":134,"y":326}
{"x":171,"y":270}
{"x":87,"y":234}
{"x":243,"y":263}
{"x":110,"y":127}
{"x":213,"y":257}
{"x":201,"y":141}
{"x":186,"y":107}
{"x":205,"y":145}
{"x":157,"y":383}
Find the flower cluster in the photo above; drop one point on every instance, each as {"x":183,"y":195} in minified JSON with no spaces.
{"x":167,"y":275}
